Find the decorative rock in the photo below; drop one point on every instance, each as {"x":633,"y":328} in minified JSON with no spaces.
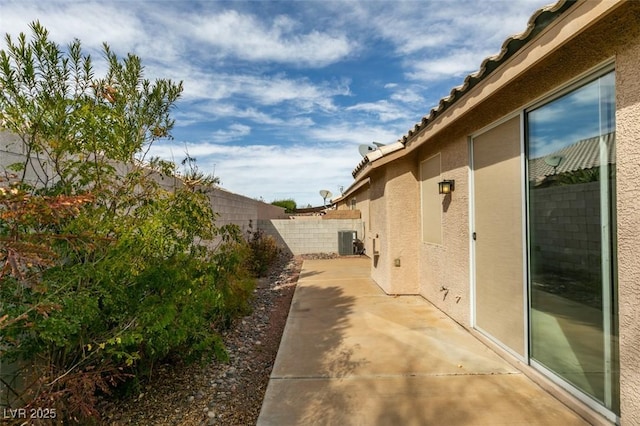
{"x":231,"y":393}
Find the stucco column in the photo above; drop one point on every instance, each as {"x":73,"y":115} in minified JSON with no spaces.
{"x":628,"y":192}
{"x":397,"y":213}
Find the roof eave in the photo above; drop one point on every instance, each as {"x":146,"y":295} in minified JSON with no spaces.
{"x":538,"y":22}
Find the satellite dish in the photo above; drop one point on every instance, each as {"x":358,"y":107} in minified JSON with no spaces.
{"x":378,"y":144}
{"x":366,"y":149}
{"x":324,"y":193}
{"x":554,"y":161}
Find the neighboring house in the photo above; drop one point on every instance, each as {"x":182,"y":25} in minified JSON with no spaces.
{"x":535,"y":250}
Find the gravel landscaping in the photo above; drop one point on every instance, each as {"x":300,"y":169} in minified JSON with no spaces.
{"x":216,"y":393}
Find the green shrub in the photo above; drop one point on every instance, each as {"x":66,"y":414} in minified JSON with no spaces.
{"x":124,"y":303}
{"x":102,"y":274}
{"x":264,"y":252}
{"x":289,"y":204}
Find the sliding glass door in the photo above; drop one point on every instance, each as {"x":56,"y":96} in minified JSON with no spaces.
{"x":572,"y":226}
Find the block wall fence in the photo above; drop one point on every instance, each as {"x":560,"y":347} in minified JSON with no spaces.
{"x":231,"y":208}
{"x":304,"y":236}
{"x":318,"y":234}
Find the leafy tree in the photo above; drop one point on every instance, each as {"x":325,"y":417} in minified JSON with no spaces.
{"x":289,"y":204}
{"x":73,"y":123}
{"x":103,"y":271}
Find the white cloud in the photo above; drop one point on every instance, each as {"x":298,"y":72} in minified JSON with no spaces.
{"x":408,"y":95}
{"x":274,"y":172}
{"x":214,"y":110}
{"x":233,"y":132}
{"x":246,"y":37}
{"x":273,"y":90}
{"x":245,"y":67}
{"x":455,"y":64}
{"x":384,"y":110}
{"x":437,"y":39}
{"x":260,"y":89}
{"x":92,"y":23}
{"x":354,"y":133}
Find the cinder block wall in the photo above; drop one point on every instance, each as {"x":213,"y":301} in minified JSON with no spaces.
{"x":568,"y":216}
{"x":13,"y":151}
{"x":231,"y":208}
{"x":242,"y":211}
{"x":309,"y":235}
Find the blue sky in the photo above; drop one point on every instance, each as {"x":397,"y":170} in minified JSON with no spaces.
{"x":279,"y":94}
{"x":587,"y":112}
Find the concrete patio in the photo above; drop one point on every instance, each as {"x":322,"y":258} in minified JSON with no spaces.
{"x":351,"y":355}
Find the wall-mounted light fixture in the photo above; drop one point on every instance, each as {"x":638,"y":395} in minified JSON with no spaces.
{"x":446,"y":186}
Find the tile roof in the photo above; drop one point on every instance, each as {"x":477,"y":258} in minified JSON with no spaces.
{"x":582,"y":155}
{"x":538,"y":21}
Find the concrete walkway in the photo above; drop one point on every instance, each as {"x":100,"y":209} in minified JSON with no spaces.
{"x":351,"y":355}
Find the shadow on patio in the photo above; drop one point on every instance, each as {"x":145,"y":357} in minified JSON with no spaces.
{"x":351,"y":355}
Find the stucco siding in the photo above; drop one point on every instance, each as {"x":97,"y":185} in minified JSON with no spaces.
{"x":379,"y":231}
{"x":403,"y":201}
{"x":591,"y":36}
{"x":576,"y":58}
{"x":444,"y":268}
{"x":628,"y":175}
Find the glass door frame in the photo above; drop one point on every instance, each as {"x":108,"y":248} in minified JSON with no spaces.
{"x":607,"y":302}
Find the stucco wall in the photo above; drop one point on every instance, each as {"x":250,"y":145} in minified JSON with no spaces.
{"x":341,"y":214}
{"x":615,"y":36}
{"x":379,"y":229}
{"x":447,"y":264}
{"x":628,"y":170}
{"x":394,"y":227}
{"x":403,"y":227}
{"x":311,"y":235}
